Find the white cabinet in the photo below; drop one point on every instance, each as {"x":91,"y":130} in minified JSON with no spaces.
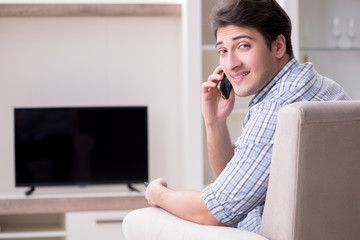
{"x":95,"y":225}
{"x":67,"y":216}
{"x":64,"y":226}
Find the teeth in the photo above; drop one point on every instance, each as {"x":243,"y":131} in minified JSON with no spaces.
{"x":242,"y":75}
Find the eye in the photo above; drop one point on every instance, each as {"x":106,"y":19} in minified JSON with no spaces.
{"x":244,"y":46}
{"x":221,"y":51}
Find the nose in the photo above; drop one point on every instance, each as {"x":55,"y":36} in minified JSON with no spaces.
{"x":233,"y":61}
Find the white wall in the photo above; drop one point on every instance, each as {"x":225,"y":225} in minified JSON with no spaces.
{"x":94,"y":62}
{"x":292,"y":9}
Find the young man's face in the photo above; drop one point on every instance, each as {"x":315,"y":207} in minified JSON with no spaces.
{"x":245,"y":59}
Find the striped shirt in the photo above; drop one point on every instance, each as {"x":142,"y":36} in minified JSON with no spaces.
{"x":237,"y":196}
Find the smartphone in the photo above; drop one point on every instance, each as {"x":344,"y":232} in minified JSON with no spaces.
{"x":224,"y":87}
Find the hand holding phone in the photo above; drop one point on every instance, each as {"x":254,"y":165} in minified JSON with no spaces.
{"x":224,"y":87}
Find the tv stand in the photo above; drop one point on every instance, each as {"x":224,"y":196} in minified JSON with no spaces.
{"x":30,"y":191}
{"x":130,"y":186}
{"x":61,"y":217}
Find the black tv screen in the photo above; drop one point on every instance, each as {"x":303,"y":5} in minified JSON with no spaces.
{"x":80,"y":145}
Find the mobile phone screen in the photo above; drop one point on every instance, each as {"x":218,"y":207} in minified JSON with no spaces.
{"x":225,"y":87}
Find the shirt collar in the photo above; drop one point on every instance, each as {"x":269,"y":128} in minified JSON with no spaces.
{"x":262,"y":94}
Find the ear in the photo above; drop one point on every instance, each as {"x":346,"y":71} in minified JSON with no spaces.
{"x":279,"y":46}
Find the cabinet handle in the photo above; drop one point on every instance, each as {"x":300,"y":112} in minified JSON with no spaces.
{"x":106,"y":221}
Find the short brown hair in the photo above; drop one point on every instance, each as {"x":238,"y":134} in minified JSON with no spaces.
{"x":266,"y":16}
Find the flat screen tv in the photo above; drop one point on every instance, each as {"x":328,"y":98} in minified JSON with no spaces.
{"x":81,"y":145}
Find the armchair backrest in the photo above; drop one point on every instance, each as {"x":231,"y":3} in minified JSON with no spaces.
{"x":314,"y":186}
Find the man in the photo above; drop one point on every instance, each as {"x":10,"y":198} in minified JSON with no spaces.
{"x":254,"y":45}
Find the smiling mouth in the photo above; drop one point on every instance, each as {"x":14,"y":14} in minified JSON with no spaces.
{"x":238,"y":78}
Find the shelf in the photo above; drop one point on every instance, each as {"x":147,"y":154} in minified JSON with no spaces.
{"x":90,"y":10}
{"x":47,"y":205}
{"x":31,"y":232}
{"x":23,"y":226}
{"x":209,"y":47}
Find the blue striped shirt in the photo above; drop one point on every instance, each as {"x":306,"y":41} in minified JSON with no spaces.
{"x":237,"y":196}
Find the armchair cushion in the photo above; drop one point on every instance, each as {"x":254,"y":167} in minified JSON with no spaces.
{"x":155,"y":223}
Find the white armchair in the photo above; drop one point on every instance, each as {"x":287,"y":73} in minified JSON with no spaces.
{"x":314,"y":186}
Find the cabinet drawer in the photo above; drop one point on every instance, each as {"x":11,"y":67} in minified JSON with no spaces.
{"x":95,"y":225}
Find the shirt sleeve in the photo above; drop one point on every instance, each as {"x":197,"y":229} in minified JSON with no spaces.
{"x":242,"y":185}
